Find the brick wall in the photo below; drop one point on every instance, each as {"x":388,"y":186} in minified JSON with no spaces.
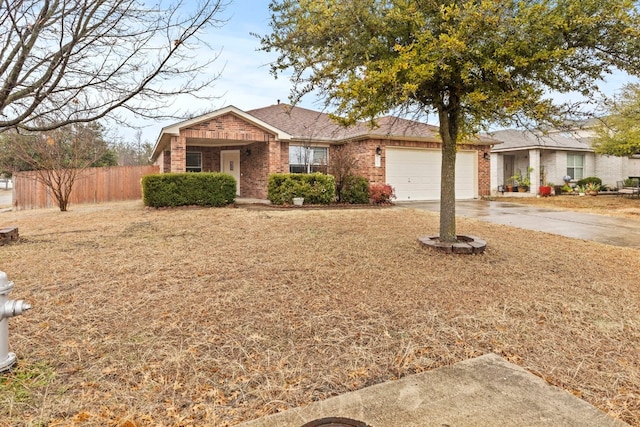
{"x":278,"y":157}
{"x":164,"y":161}
{"x":254,"y":166}
{"x":364,"y":152}
{"x":178,"y":153}
{"x":484,"y":169}
{"x":229,"y":127}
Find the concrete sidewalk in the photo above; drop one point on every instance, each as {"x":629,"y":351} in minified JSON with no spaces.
{"x":598,"y":228}
{"x":485,"y":391}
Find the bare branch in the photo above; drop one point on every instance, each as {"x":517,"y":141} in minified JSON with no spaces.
{"x":56,"y":156}
{"x":69,"y":61}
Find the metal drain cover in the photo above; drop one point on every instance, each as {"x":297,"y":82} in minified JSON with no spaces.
{"x":335,"y":422}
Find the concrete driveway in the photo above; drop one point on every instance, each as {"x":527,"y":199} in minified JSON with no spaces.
{"x":599,"y":228}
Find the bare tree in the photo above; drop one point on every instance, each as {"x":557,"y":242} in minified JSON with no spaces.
{"x":71,"y":61}
{"x":343,"y":165}
{"x":134,"y":152}
{"x":58,"y":157}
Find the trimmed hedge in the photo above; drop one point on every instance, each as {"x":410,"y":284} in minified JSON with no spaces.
{"x":189,"y":188}
{"x":316,"y":188}
{"x":588,"y":180}
{"x":355,"y":190}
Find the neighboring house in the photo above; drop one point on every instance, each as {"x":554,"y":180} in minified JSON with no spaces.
{"x":251,"y":145}
{"x":555,"y":154}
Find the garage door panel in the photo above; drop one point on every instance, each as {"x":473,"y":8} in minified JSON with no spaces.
{"x":415,"y":173}
{"x":466,"y":175}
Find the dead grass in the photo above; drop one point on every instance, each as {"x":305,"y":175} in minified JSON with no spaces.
{"x":612,"y":205}
{"x":214,"y":316}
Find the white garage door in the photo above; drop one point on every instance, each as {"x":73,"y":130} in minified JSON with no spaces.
{"x":415,"y":173}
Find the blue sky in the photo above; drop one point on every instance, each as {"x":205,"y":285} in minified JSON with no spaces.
{"x":245,"y":80}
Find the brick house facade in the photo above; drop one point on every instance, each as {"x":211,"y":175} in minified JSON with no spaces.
{"x":261,"y":141}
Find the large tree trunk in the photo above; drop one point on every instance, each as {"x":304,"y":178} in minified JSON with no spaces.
{"x":448,"y":191}
{"x":449,"y":114}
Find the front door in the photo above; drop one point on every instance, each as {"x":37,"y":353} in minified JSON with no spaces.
{"x":230,"y":160}
{"x":509,"y":162}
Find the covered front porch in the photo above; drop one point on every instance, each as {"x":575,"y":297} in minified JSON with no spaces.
{"x":228,"y":141}
{"x":544,"y":167}
{"x":506,"y":166}
{"x":545,"y":158}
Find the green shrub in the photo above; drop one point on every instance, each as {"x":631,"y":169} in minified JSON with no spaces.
{"x":381,"y":193}
{"x":589,"y":180}
{"x":316,"y":188}
{"x":631,"y":182}
{"x":355,"y":190}
{"x":567,"y":189}
{"x":182,"y":189}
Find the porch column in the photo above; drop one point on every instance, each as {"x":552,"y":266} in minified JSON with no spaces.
{"x":534,"y":162}
{"x":497,"y":174}
{"x":178,"y":154}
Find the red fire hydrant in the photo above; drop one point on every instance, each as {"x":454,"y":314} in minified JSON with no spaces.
{"x":8,"y":308}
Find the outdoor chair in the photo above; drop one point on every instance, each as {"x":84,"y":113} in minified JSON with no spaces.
{"x":630,"y":191}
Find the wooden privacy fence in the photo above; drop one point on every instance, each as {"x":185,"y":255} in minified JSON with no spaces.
{"x":93,"y":185}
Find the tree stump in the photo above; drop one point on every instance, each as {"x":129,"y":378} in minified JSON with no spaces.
{"x":8,"y":235}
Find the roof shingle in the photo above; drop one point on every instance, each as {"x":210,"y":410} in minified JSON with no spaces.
{"x":513,"y":139}
{"x":303,"y":123}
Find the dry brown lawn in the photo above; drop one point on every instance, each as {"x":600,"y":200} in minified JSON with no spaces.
{"x":185,"y":317}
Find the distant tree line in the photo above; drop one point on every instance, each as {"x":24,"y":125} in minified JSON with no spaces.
{"x":75,"y":146}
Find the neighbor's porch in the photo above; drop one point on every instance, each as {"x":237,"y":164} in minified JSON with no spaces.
{"x":548,"y":166}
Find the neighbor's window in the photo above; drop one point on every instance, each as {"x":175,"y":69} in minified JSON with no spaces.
{"x":575,"y":166}
{"x":308,"y":159}
{"x":194,"y":161}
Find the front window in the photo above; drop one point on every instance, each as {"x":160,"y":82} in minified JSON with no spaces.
{"x":575,"y":166}
{"x":194,"y":161}
{"x":308,"y":159}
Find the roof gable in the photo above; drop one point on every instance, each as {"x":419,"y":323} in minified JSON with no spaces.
{"x":205,"y":120}
{"x":215,"y":115}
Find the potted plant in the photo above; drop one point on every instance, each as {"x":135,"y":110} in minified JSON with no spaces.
{"x":510,"y":184}
{"x":592,"y":188}
{"x":581,"y":189}
{"x":523,"y":184}
{"x":513,"y":182}
{"x":516,"y":181}
{"x":545,"y":190}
